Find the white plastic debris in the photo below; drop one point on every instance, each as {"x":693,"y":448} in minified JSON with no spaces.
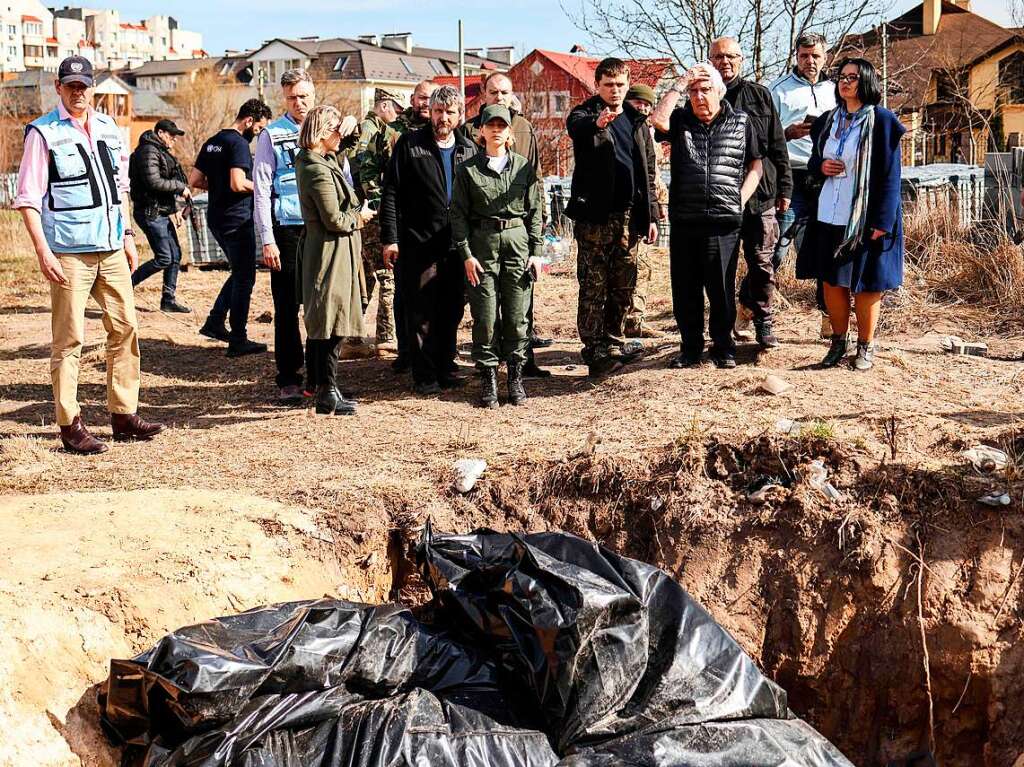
{"x":986,"y":458}
{"x":957,"y":345}
{"x":467,"y":472}
{"x":789,"y":426}
{"x":775,"y":385}
{"x":995,"y":498}
{"x":817,"y":477}
{"x":761,"y":494}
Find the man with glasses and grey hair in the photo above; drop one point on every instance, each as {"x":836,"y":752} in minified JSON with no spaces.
{"x":279,"y":223}
{"x":800,"y":96}
{"x":416,"y":229}
{"x":716,"y":167}
{"x":760,"y":229}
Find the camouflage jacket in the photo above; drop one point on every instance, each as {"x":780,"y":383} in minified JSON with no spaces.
{"x":376,"y":140}
{"x":407,"y":121}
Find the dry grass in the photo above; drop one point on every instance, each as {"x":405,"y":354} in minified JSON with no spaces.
{"x":977,"y":269}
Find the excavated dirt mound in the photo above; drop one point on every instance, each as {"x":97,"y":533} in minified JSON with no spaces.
{"x":829,"y":596}
{"x":89,"y":577}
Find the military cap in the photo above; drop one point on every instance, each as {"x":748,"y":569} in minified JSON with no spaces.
{"x":642,"y":93}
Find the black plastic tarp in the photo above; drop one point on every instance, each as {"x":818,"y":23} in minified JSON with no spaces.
{"x":536,"y":650}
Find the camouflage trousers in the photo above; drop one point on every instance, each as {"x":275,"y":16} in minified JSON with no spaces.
{"x":383,"y":279}
{"x":638,"y":303}
{"x":606,"y":267}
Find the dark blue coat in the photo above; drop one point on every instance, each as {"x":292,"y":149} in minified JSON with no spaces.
{"x":875,"y":265}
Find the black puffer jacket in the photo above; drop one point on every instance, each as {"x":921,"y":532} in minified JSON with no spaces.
{"x":156,"y":178}
{"x":709,"y":163}
{"x":593,"y":176}
{"x":777,"y":179}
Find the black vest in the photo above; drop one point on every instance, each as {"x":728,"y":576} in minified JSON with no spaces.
{"x":708,"y":166}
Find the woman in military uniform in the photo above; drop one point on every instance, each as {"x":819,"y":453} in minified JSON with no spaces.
{"x":496,"y":227}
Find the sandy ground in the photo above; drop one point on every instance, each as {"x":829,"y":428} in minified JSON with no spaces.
{"x":243,"y":502}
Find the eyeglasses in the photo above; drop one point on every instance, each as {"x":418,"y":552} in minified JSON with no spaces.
{"x":727,"y":56}
{"x":847,"y":78}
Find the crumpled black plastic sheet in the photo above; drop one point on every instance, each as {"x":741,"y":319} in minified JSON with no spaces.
{"x":540,"y":650}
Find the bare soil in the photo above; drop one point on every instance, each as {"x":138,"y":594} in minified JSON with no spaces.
{"x":243,"y":502}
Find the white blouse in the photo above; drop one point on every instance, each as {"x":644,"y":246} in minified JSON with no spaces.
{"x":835,"y":203}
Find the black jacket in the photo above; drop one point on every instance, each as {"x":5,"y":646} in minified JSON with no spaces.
{"x":777,"y":180}
{"x":709,"y":163}
{"x":414,"y":208}
{"x":592,"y":177}
{"x":156,"y":178}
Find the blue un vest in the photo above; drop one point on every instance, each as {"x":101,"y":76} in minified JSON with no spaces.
{"x":284,"y":136}
{"x":82,"y":209}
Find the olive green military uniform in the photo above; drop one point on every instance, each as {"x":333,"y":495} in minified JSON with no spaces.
{"x":496,"y":218}
{"x":524,"y":143}
{"x":376,"y":138}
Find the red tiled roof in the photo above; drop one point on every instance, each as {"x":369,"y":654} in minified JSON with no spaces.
{"x":133,"y":26}
{"x":472,"y":84}
{"x":642,"y":71}
{"x":32,"y":18}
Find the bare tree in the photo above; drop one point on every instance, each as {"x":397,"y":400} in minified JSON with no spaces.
{"x":682,"y":30}
{"x":207,"y":104}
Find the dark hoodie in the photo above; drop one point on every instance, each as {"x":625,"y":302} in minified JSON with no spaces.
{"x":593,"y":197}
{"x":156,"y":178}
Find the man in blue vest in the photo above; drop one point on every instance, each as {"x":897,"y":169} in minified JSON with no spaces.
{"x":279,"y":224}
{"x":73,"y":198}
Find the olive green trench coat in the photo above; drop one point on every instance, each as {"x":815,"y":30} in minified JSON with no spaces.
{"x":329,"y":249}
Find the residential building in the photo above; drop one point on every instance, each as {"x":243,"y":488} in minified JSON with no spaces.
{"x":549,"y":84}
{"x":955,"y":78}
{"x":115,"y":43}
{"x":165,"y":77}
{"x":25,"y":26}
{"x":356,"y":67}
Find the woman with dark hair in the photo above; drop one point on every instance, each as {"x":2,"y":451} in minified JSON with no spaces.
{"x":855,"y":242}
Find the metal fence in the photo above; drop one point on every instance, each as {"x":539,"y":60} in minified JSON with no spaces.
{"x":203,"y":248}
{"x":945,"y":186}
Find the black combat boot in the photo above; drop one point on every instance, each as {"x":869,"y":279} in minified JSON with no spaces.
{"x":516,"y":392}
{"x":489,"y":387}
{"x":326,"y":399}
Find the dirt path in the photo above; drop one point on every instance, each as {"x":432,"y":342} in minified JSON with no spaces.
{"x":108,"y":553}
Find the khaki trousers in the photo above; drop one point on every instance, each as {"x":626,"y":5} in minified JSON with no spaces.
{"x":105,"y":277}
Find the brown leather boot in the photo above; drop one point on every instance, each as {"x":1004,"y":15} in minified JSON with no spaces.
{"x":78,"y":440}
{"x":128,"y":427}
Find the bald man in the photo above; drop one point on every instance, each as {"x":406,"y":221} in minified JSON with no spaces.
{"x":497,"y":89}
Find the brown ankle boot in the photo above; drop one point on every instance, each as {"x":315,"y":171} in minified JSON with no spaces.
{"x":128,"y":427}
{"x":78,"y":440}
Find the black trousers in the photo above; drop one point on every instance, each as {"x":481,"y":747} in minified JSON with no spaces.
{"x":239,"y":245}
{"x":431,"y":281}
{"x":288,"y":353}
{"x":759,"y":234}
{"x":322,"y":360}
{"x":398,"y":307}
{"x":702,"y":259}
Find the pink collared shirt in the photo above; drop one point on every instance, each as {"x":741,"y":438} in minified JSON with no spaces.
{"x":34,"y":172}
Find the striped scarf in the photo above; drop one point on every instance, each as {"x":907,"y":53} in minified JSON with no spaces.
{"x":853,"y":236}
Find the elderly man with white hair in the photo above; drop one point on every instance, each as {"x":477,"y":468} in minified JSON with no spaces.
{"x":716,"y":167}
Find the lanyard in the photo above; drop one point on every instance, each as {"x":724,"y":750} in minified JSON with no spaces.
{"x":844,"y":131}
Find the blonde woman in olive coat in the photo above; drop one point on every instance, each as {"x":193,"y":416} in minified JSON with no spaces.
{"x":329,"y":252}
